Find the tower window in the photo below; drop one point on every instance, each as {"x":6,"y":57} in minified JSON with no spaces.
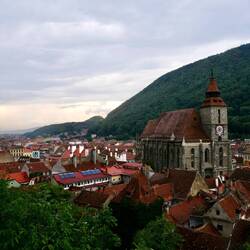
{"x":219,"y":116}
{"x":221,"y":157}
{"x":192,"y":157}
{"x":206,"y":155}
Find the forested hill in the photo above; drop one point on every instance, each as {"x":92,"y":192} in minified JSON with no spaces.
{"x":70,"y":128}
{"x":184,"y":88}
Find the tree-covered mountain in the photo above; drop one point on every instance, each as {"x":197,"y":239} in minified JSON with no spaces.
{"x":71,"y":128}
{"x":184,"y":88}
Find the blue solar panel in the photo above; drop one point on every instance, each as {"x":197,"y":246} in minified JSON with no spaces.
{"x":67,"y":175}
{"x":90,"y":172}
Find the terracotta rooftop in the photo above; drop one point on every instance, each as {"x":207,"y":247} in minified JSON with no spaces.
{"x":229,"y":204}
{"x":90,"y":198}
{"x":182,"y":181}
{"x":179,"y":124}
{"x":201,"y":241}
{"x":240,"y":234}
{"x":20,"y":177}
{"x":165,"y":191}
{"x":241,"y":174}
{"x":35,"y":167}
{"x":182,"y":211}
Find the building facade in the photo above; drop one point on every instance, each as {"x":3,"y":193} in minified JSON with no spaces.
{"x":190,"y":139}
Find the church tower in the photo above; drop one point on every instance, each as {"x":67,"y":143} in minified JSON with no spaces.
{"x":214,"y":120}
{"x":213,"y":113}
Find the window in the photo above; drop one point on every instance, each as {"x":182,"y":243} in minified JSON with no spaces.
{"x":219,"y":116}
{"x":221,"y":157}
{"x":219,"y":227}
{"x":193,"y":158}
{"x":206,"y":155}
{"x":217,"y":212}
{"x":178,"y":157}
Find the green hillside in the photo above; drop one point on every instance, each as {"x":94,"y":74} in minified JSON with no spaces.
{"x":70,"y":128}
{"x":184,"y":88}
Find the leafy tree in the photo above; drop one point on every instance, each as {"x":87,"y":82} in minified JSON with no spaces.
{"x":133,"y":216}
{"x":159,"y":234}
{"x":43,"y":217}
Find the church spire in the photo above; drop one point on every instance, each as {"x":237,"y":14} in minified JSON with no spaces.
{"x":213,"y":97}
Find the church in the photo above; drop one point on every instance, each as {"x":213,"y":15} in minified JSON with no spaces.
{"x":190,"y":139}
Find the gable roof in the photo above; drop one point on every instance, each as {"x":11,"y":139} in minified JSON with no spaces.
{"x":11,"y":167}
{"x":91,"y":198}
{"x":139,"y":189}
{"x":240,"y":234}
{"x":181,"y":212}
{"x":184,"y":123}
{"x":165,"y":191}
{"x":20,"y":177}
{"x":35,"y":167}
{"x":241,"y":174}
{"x":182,"y":181}
{"x":229,"y":204}
{"x":199,"y":240}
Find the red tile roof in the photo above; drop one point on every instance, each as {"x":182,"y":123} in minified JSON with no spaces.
{"x":90,"y":198}
{"x":183,"y":123}
{"x":119,"y":170}
{"x":229,"y":204}
{"x":243,"y":187}
{"x":78,"y":177}
{"x":165,"y":191}
{"x":139,"y":189}
{"x":176,"y":177}
{"x":241,"y":174}
{"x":240,"y":234}
{"x":37,"y":167}
{"x":11,"y":167}
{"x":20,"y":177}
{"x":201,"y":241}
{"x":83,"y":166}
{"x":181,"y":212}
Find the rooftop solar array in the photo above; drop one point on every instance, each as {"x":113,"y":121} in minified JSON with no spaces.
{"x":67,"y":175}
{"x":90,"y":172}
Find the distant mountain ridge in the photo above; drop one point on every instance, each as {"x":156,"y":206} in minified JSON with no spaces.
{"x":185,"y":88}
{"x":71,"y":128}
{"x":182,"y":88}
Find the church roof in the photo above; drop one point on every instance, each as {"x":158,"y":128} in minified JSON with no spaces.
{"x":177,"y":124}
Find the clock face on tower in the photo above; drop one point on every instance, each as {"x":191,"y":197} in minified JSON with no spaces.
{"x":219,"y":130}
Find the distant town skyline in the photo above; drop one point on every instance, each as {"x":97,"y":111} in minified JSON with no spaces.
{"x":69,"y":60}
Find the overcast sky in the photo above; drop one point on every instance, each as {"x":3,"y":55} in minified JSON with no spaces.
{"x":67,"y":60}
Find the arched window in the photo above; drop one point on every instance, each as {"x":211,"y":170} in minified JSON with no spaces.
{"x":206,"y":155}
{"x":192,"y":157}
{"x":221,"y":157}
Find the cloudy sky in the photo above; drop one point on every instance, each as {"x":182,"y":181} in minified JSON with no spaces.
{"x":67,"y":60}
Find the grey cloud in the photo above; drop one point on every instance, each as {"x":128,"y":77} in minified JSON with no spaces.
{"x":67,"y":51}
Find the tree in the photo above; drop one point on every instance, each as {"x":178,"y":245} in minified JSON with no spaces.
{"x":139,"y":216}
{"x":158,"y":235}
{"x":43,"y":217}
